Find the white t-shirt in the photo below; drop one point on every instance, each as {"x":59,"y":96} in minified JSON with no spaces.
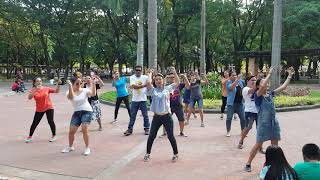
{"x":80,"y":102}
{"x":249,"y":105}
{"x":139,"y":94}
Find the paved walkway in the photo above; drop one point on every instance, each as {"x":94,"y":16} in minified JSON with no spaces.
{"x":205,"y":154}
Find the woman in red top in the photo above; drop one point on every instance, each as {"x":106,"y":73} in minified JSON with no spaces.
{"x":43,"y":106}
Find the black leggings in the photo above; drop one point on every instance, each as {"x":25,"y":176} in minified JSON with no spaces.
{"x":167,"y":122}
{"x":224,"y":103}
{"x":125,"y":99}
{"x":37,"y":118}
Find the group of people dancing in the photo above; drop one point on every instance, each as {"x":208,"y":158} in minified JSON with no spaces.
{"x":251,"y":100}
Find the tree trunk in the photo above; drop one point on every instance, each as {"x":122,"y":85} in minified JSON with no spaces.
{"x":152,"y":33}
{"x":203,"y":38}
{"x":140,"y":46}
{"x":276,"y":42}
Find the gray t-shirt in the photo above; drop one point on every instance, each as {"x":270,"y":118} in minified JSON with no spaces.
{"x":161,"y":99}
{"x":195,"y":88}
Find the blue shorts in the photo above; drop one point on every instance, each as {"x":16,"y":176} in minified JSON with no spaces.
{"x":81,"y":117}
{"x":194,"y":101}
{"x":250,"y":118}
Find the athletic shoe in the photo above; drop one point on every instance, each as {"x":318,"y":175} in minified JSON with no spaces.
{"x":127,"y":133}
{"x":114,"y":121}
{"x":67,"y":149}
{"x":195,"y":116}
{"x":202,"y":125}
{"x":146,"y":157}
{"x":262,"y":151}
{"x":247,"y":168}
{"x":235,"y":117}
{"x":53,"y":139}
{"x":87,"y":152}
{"x":146,"y":132}
{"x":183,"y":135}
{"x":228,"y":134}
{"x":28,"y":140}
{"x":162,"y":135}
{"x":175,"y":158}
{"x":240,"y":146}
{"x":221,"y":117}
{"x":100,"y":129}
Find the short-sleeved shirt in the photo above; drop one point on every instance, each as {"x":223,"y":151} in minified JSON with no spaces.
{"x":139,"y":94}
{"x":308,"y":170}
{"x":93,"y":98}
{"x":224,"y":87}
{"x":121,"y":87}
{"x":265,"y":170}
{"x":161,"y":99}
{"x":175,"y":99}
{"x":195,"y":88}
{"x":249,"y":105}
{"x":80,"y":102}
{"x":42,"y":98}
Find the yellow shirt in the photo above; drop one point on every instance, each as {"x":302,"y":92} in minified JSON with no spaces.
{"x":224,"y":87}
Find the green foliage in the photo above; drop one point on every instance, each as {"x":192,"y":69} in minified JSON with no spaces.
{"x":213,"y":90}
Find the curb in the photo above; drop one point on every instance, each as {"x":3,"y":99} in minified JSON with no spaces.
{"x":216,"y":111}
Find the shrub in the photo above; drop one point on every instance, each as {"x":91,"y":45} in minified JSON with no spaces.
{"x":213,"y":90}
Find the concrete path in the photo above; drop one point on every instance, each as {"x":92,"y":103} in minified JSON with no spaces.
{"x":205,"y":154}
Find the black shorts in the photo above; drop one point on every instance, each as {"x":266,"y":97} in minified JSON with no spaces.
{"x":178,"y":110}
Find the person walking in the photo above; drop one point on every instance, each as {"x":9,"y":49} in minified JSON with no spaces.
{"x":224,"y":81}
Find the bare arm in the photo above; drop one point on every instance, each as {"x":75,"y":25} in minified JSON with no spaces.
{"x":206,"y":81}
{"x":263,"y":86}
{"x":186,"y":81}
{"x":100,"y":82}
{"x":31,"y":94}
{"x":286,"y":83}
{"x":176,"y":77}
{"x":149,"y":81}
{"x":93,"y":90}
{"x":70,"y":93}
{"x":58,"y":86}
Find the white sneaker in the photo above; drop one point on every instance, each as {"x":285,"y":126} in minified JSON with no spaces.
{"x":228,"y":134}
{"x":68,"y":149}
{"x":53,"y":139}
{"x":87,"y":152}
{"x":114,"y":121}
{"x":28,"y":140}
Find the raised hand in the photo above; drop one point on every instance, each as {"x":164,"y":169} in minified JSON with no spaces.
{"x":69,"y":82}
{"x":291,"y":71}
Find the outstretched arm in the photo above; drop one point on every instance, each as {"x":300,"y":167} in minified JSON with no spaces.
{"x":265,"y":82}
{"x":290,"y":70}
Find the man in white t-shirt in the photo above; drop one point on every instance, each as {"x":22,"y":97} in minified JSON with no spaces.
{"x":249,"y":107}
{"x":138,"y":84}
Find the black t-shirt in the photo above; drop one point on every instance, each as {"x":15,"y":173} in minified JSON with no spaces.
{"x":93,"y":98}
{"x":238,"y":98}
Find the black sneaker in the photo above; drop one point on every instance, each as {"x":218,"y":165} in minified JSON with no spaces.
{"x":146,"y":157}
{"x":175,"y":158}
{"x":183,"y":135}
{"x":127,"y":133}
{"x":247,"y":168}
{"x":146,"y":132}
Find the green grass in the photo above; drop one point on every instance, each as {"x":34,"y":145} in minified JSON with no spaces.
{"x":280,"y":101}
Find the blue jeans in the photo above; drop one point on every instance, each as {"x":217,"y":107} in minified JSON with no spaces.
{"x":135,"y":106}
{"x":236,"y":108}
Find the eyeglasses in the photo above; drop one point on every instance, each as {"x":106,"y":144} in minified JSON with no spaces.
{"x":138,"y":70}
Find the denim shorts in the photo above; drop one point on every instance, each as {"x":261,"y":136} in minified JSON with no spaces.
{"x":250,"y":118}
{"x":194,"y":101}
{"x":81,"y":117}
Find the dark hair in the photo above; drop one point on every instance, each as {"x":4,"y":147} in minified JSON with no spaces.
{"x":258,"y":83}
{"x":279,"y":166}
{"x":231,"y":72}
{"x":311,"y":151}
{"x":248,"y":79}
{"x":138,"y":66}
{"x":159,"y":75}
{"x":73,"y":79}
{"x":34,"y":81}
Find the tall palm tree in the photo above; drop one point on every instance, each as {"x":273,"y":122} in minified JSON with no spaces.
{"x":140,"y":46}
{"x":276,"y":42}
{"x":152,"y":33}
{"x":203,"y":38}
